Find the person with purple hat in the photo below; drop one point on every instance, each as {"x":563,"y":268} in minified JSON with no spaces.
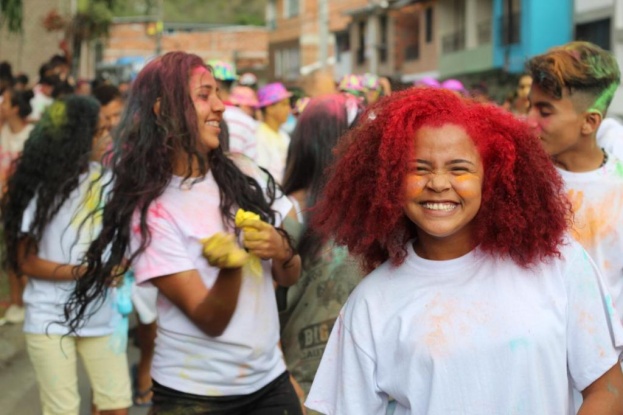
{"x":427,"y":81}
{"x":455,"y":86}
{"x":240,"y":122}
{"x":272,"y":141}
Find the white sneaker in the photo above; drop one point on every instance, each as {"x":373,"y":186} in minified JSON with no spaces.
{"x":15,"y":314}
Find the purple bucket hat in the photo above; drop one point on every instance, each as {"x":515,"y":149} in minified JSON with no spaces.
{"x":453,"y":85}
{"x":427,"y":81}
{"x":272,"y":93}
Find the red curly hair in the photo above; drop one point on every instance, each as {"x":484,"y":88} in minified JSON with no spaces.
{"x":524,"y":212}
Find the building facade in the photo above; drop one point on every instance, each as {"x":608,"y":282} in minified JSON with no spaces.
{"x":244,"y":46}
{"x":301,"y":32}
{"x":601,"y":22}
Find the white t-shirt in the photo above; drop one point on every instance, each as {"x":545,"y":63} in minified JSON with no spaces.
{"x":472,"y":335}
{"x":65,"y":240}
{"x":246,"y":356}
{"x":39,"y":103}
{"x":610,"y":137}
{"x":11,"y":145}
{"x":272,"y":150}
{"x":242,"y":132}
{"x":597,"y":200}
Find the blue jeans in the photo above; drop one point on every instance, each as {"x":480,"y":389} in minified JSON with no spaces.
{"x":276,"y":398}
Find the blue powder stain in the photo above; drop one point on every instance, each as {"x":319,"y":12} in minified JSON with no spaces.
{"x":516,"y":344}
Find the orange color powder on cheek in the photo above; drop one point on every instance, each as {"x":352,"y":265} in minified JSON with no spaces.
{"x":468,"y":185}
{"x":414,"y":186}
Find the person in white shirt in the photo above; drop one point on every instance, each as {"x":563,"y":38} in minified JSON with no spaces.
{"x":50,"y":216}
{"x":43,"y":96}
{"x":572,"y":89}
{"x":477,"y":300}
{"x":610,"y":136}
{"x":272,"y":140}
{"x":172,"y":214}
{"x":14,"y":111}
{"x":239,"y":118}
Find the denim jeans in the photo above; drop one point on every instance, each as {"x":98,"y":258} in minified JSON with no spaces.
{"x":276,"y":398}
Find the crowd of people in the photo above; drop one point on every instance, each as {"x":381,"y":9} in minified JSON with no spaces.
{"x":345,"y":250}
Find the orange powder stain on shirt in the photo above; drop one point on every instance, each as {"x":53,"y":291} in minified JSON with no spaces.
{"x":592,"y":221}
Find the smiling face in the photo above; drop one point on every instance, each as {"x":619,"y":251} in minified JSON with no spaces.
{"x":208,"y":105}
{"x":444,"y":188}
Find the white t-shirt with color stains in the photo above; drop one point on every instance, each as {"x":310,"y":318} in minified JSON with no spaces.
{"x":473,"y":335}
{"x":597,"y":201}
{"x":246,"y":356}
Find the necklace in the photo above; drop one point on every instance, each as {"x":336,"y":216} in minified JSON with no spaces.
{"x":605,"y":160}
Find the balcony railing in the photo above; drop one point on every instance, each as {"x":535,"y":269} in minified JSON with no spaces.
{"x":453,"y":42}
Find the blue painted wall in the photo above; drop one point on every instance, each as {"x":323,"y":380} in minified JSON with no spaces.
{"x":544,"y":23}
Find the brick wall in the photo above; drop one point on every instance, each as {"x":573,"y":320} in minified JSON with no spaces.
{"x":303,"y":28}
{"x":244,"y":45}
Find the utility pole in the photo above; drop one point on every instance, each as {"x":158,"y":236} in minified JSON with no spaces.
{"x":323,"y":32}
{"x":159,"y":27}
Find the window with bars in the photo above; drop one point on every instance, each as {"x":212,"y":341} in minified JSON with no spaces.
{"x":291,"y":8}
{"x":287,"y":63}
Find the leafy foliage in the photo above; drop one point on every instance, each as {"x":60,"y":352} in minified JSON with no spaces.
{"x":198,"y":11}
{"x":11,"y":14}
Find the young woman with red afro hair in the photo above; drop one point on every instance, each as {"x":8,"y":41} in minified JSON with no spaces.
{"x":477,"y":301}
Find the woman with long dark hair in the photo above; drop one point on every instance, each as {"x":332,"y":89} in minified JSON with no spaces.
{"x":51,"y":213}
{"x":328,"y":275}
{"x":217,"y":343}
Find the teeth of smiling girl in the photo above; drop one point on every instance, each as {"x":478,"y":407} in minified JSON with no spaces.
{"x":440,"y":206}
{"x":212,"y":123}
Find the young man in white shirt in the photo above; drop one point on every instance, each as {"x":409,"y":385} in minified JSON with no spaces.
{"x":572,"y":88}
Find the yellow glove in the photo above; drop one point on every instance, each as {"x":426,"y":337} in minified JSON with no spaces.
{"x":254,"y":264}
{"x":242,"y":215}
{"x":222,"y":251}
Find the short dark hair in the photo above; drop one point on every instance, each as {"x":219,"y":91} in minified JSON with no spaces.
{"x":105,"y":94}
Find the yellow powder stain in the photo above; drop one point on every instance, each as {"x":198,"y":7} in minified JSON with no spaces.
{"x":84,"y":219}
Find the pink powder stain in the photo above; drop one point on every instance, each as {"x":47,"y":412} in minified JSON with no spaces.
{"x":157,"y":211}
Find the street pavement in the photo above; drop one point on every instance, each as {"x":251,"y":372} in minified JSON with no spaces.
{"x":20,"y":394}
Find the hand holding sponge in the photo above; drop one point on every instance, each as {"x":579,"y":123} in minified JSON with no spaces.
{"x":223,"y":251}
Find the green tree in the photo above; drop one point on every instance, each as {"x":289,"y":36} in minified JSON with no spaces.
{"x":11,"y":14}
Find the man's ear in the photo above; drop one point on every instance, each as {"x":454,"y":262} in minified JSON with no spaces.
{"x":156,"y":108}
{"x":592,"y":121}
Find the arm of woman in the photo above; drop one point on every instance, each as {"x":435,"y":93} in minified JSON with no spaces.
{"x":605,"y":395}
{"x":209,"y":309}
{"x":36,"y":267}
